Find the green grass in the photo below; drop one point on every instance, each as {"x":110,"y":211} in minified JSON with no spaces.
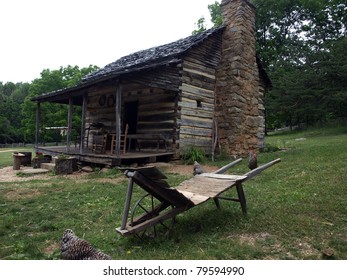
{"x":296,"y":210}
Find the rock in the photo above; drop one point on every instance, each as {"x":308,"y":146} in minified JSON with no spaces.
{"x":87,"y":169}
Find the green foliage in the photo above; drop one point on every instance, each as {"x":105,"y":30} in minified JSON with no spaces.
{"x":302,"y":45}
{"x":11,"y":98}
{"x":17,"y":111}
{"x":192,"y":154}
{"x":216,"y":14}
{"x":200,"y":26}
{"x":216,"y":18}
{"x":52,"y":115}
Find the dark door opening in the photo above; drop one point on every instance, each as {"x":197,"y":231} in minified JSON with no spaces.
{"x":130,"y":117}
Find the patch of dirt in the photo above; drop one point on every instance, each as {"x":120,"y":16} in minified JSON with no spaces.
{"x":22,"y":193}
{"x":7,"y":174}
{"x":50,"y":249}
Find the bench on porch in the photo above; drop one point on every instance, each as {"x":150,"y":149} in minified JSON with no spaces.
{"x":150,"y":137}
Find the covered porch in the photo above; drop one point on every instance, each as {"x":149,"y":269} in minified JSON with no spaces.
{"x":108,"y":109}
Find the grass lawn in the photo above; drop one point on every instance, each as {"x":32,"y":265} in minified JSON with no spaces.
{"x":296,"y":210}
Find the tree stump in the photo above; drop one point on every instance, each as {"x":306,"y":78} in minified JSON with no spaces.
{"x":65,"y":165}
{"x":17,"y":160}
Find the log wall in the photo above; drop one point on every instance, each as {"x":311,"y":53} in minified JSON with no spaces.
{"x":196,"y":97}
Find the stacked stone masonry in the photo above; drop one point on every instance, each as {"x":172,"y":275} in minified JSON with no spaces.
{"x":239,"y":91}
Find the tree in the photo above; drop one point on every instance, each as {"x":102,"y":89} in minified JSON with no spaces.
{"x":216,"y":18}
{"x":302,"y":44}
{"x":11,"y":98}
{"x":51,"y":114}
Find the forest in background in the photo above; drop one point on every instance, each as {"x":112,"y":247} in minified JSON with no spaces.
{"x":302,"y":45}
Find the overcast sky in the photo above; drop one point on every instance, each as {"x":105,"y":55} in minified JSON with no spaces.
{"x":47,"y":34}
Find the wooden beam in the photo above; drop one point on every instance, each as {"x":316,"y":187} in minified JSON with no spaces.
{"x":83,"y":126}
{"x":69,"y":124}
{"x":261,"y":168}
{"x":118,"y":117}
{"x":38,"y":117}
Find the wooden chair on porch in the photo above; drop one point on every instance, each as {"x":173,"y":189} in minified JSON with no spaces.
{"x":99,"y":143}
{"x":123,"y":141}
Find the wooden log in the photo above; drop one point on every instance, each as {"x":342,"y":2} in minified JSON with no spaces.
{"x":195,"y":131}
{"x":198,"y":98}
{"x":198,"y":112}
{"x":187,"y":103}
{"x":198,"y":91}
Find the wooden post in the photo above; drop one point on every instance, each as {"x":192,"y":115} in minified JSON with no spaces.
{"x":118,"y":117}
{"x":127,"y":200}
{"x":38,"y":117}
{"x":69,"y":125}
{"x":83,"y":125}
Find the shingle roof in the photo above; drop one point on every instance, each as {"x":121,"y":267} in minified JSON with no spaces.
{"x":151,"y":57}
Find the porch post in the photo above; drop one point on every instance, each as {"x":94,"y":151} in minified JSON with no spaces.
{"x":38,"y":117}
{"x":118,"y":117}
{"x":83,"y":126}
{"x":69,"y":125}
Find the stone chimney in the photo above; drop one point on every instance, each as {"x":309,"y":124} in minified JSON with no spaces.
{"x":238,"y":94}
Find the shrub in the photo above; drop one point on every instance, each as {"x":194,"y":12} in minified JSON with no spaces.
{"x":192,"y":154}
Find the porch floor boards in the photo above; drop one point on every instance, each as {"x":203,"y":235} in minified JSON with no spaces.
{"x":107,"y":158}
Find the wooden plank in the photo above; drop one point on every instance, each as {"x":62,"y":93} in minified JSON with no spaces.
{"x":205,"y":186}
{"x":195,"y":198}
{"x":129,"y":230}
{"x":261,"y":168}
{"x":148,"y":171}
{"x":223,"y":176}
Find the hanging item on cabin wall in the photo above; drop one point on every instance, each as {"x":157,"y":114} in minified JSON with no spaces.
{"x":111,"y":101}
{"x":102,"y":100}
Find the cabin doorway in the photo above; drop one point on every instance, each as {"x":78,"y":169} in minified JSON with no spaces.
{"x":130,"y":116}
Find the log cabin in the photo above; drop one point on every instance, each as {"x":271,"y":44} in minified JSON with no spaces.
{"x":206,"y":91}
